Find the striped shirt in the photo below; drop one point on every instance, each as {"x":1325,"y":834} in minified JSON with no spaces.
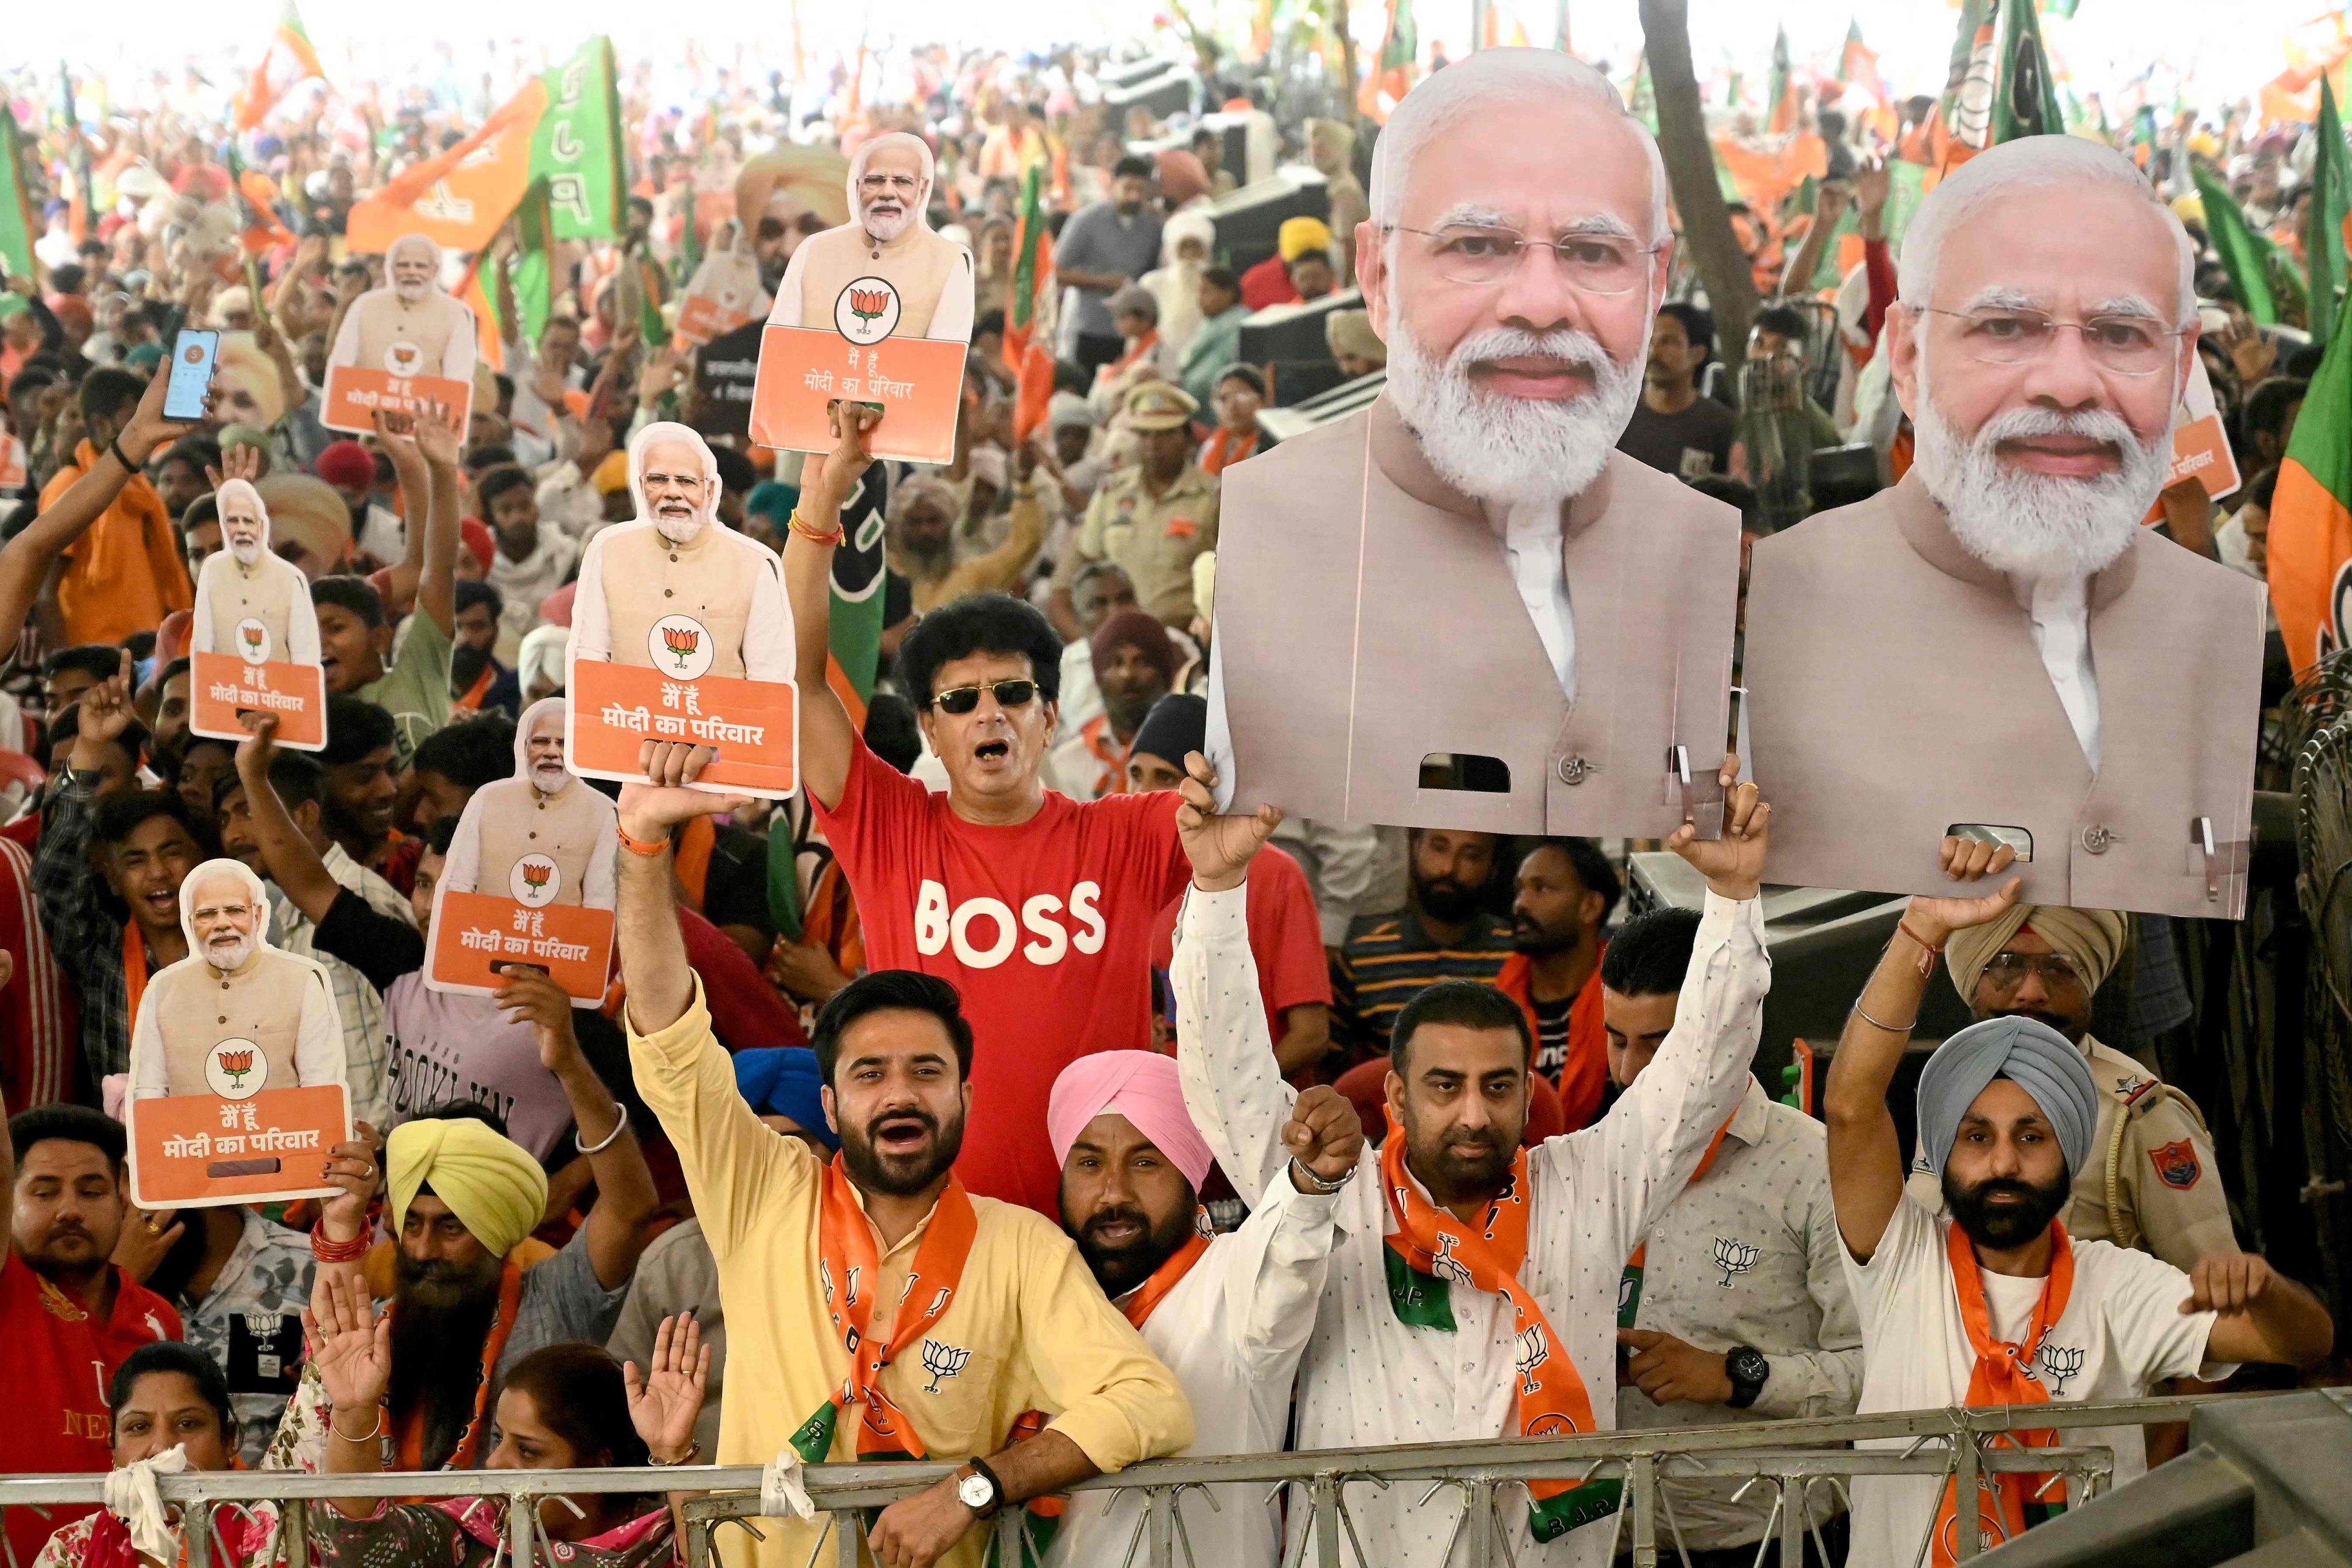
{"x":1388,"y":959}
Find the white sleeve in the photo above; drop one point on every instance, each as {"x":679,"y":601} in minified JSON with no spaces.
{"x":461,"y":868}
{"x":786,"y":310}
{"x":301,"y":617}
{"x":2140,"y":1296}
{"x":1233,"y":1085}
{"x":1643,"y":1153}
{"x":768,"y":649}
{"x":347,"y":339}
{"x":952,"y":317}
{"x":319,"y":1039}
{"x":599,"y":891}
{"x":1282,"y":1254}
{"x":457,"y":353}
{"x":592,"y":623}
{"x":148,"y":1077}
{"x":200,"y":629}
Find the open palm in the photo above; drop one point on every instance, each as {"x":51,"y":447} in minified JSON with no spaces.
{"x":350,"y":1345}
{"x":664,"y":1400}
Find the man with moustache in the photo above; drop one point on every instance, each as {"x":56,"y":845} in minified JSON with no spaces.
{"x":413,"y":326}
{"x":542,"y":811}
{"x":985,"y":1309}
{"x":1229,"y":1313}
{"x":1996,"y":643}
{"x":1134,"y":665}
{"x":1472,"y":1290}
{"x":244,"y":587}
{"x":888,"y":236}
{"x":1995,"y":1304}
{"x":1580,"y":603}
{"x":1564,"y":892}
{"x":1440,"y":934}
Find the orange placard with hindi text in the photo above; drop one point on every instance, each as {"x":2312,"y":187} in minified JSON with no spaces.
{"x":617,"y":708}
{"x":224,"y":687}
{"x":355,"y":394}
{"x":190,"y":1151}
{"x":803,"y":371}
{"x":701,"y":318}
{"x":476,"y":935}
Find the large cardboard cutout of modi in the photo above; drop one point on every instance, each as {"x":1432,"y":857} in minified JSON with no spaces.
{"x":680,"y":631}
{"x":401,"y":346}
{"x":529,"y":878}
{"x":254,"y":645}
{"x":238,"y":1079}
{"x":1467,"y":584}
{"x":877,"y":310}
{"x":1995,"y":646}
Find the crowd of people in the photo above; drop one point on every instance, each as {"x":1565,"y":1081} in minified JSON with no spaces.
{"x":998,"y":1099}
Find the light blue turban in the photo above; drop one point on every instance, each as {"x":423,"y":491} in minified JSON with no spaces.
{"x":2030,"y":1053}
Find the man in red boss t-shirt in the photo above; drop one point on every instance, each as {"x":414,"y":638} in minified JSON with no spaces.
{"x":1038,"y":908}
{"x":67,"y":1317}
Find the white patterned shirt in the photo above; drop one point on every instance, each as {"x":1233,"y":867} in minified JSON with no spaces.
{"x":1368,"y":1379}
{"x":250,"y":1323}
{"x":357,"y":1003}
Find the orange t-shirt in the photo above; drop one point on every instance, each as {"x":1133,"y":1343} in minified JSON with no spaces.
{"x":124,"y":574}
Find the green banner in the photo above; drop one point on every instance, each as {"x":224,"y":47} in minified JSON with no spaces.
{"x":15,"y":204}
{"x":2025,"y":100}
{"x":575,"y":152}
{"x":2331,"y":193}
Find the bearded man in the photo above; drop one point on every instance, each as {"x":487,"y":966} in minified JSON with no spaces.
{"x":246,"y":588}
{"x":888,"y":238}
{"x":1467,"y":567}
{"x":1995,"y":643}
{"x":234,"y":990}
{"x":413,"y":326}
{"x":677,"y":563}
{"x":543,"y":817}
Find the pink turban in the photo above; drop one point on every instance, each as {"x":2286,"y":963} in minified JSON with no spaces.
{"x":1138,"y":1085}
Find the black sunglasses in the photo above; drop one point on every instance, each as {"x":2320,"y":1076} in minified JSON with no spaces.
{"x":962,"y":700}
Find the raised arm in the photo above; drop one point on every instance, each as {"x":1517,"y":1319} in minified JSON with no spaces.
{"x":438,"y":434}
{"x":286,"y":854}
{"x":1865,"y":1153}
{"x":828,"y":740}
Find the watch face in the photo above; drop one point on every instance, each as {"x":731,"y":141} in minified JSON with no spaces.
{"x":1748,"y":1366}
{"x":974,"y":1493}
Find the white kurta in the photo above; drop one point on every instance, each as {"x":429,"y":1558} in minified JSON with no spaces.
{"x":1231,"y":1332}
{"x":1368,"y":1379}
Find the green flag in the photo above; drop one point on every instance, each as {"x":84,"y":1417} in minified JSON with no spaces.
{"x":533,"y":272}
{"x":1781,"y":101}
{"x":575,"y":150}
{"x":2244,"y":253}
{"x":2331,"y":195}
{"x":1905,"y":186}
{"x":16,"y":202}
{"x":2026,"y":100}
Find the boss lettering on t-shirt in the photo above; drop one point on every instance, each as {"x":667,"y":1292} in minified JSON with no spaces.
{"x":984,"y":932}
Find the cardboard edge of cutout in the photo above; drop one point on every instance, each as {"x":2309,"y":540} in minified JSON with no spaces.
{"x":239,"y":666}
{"x":527,"y":921}
{"x":240,"y":1138}
{"x":401,"y":381}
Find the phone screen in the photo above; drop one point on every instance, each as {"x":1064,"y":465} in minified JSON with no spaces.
{"x":191,"y":375}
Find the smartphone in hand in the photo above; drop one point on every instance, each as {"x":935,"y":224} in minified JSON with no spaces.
{"x":193,"y":353}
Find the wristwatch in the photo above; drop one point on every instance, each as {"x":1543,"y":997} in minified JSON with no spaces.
{"x":1748,"y":1369}
{"x":978,"y":1490}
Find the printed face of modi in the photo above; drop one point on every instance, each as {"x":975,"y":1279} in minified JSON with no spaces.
{"x":242,"y":529}
{"x":544,"y":750}
{"x":888,"y":188}
{"x":228,"y":924}
{"x":679,"y":493}
{"x":414,"y":268}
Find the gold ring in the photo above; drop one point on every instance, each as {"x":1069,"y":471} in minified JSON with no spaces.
{"x":152,"y":1227}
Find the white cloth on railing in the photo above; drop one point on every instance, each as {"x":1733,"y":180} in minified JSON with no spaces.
{"x":783,"y":1494}
{"x":132,"y":1497}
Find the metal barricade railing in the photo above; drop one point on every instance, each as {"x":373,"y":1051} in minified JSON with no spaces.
{"x":1791,"y":1456}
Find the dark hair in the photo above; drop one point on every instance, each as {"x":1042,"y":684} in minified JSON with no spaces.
{"x":103,"y":660}
{"x":497,"y":455}
{"x":69,"y":278}
{"x":166,"y":1357}
{"x":464,"y":1109}
{"x":580,"y":1395}
{"x":1293,"y":263}
{"x":105,"y":392}
{"x":1220,"y":278}
{"x":891,"y":732}
{"x":1202,"y":134}
{"x":492,"y":483}
{"x":1650,"y":954}
{"x":468,"y":755}
{"x":472,"y":591}
{"x":1591,"y":868}
{"x":199,"y":452}
{"x":2266,"y":406}
{"x":1470,"y":1004}
{"x":1785,"y":320}
{"x":736,"y":473}
{"x":180,"y":665}
{"x":356,"y":595}
{"x":886,"y":991}
{"x":2261,"y":488}
{"x":987,"y":322}
{"x":354,"y":728}
{"x":69,"y":1124}
{"x":119,"y":816}
{"x":1131,"y":165}
{"x":205,"y":509}
{"x":441,"y":834}
{"x":295,"y":778}
{"x":979,"y":623}
{"x":1247,"y":374}
{"x":1698,"y":326}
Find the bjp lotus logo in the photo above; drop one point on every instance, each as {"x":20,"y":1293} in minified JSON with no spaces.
{"x":867,"y":311}
{"x":681,"y":648}
{"x":403,"y":359}
{"x":252,"y":644}
{"x":681,"y":643}
{"x":535,"y":881}
{"x":235,"y":1069}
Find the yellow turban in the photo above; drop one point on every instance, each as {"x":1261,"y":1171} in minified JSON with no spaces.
{"x":1298,"y":235}
{"x":496,"y":1189}
{"x":2094,"y":937}
{"x":612,"y":474}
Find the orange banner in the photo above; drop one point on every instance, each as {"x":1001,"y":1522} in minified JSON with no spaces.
{"x":224,"y":688}
{"x":474,"y":935}
{"x":701,"y":318}
{"x":355,"y":393}
{"x":196,"y":1151}
{"x":461,"y":197}
{"x":617,"y":708}
{"x":803,"y":371}
{"x":2201,"y":449}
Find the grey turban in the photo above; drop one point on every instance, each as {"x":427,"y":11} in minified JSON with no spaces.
{"x":2030,"y":1053}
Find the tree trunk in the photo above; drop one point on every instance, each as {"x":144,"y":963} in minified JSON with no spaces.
{"x":1690,"y":173}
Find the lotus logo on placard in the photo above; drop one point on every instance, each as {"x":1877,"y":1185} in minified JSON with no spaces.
{"x":867,"y":311}
{"x":535,"y":881}
{"x":403,"y":359}
{"x":252,"y":643}
{"x":679,"y":646}
{"x":235,"y":1069}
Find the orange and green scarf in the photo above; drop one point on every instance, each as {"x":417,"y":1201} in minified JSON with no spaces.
{"x":2009,"y":1502}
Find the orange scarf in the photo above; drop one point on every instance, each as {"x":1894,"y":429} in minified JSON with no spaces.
{"x":472,"y":702}
{"x":1104,"y":749}
{"x":2008,"y":1503}
{"x":851,"y":1268}
{"x":1550,"y":1396}
{"x":1220,"y":450}
{"x":1145,"y":1299}
{"x":1634,"y":1265}
{"x":134,"y":966}
{"x":1141,"y":346}
{"x":411,"y":1446}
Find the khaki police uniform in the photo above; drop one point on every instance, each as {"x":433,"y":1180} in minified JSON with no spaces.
{"x":1153,"y":537}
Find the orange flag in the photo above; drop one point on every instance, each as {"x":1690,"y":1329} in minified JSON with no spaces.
{"x":459,"y":199}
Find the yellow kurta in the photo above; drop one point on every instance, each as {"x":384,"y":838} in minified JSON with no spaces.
{"x":1038,"y":1332}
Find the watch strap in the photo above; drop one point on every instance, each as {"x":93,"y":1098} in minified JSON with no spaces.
{"x":995,"y":1487}
{"x":1744,"y":1390}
